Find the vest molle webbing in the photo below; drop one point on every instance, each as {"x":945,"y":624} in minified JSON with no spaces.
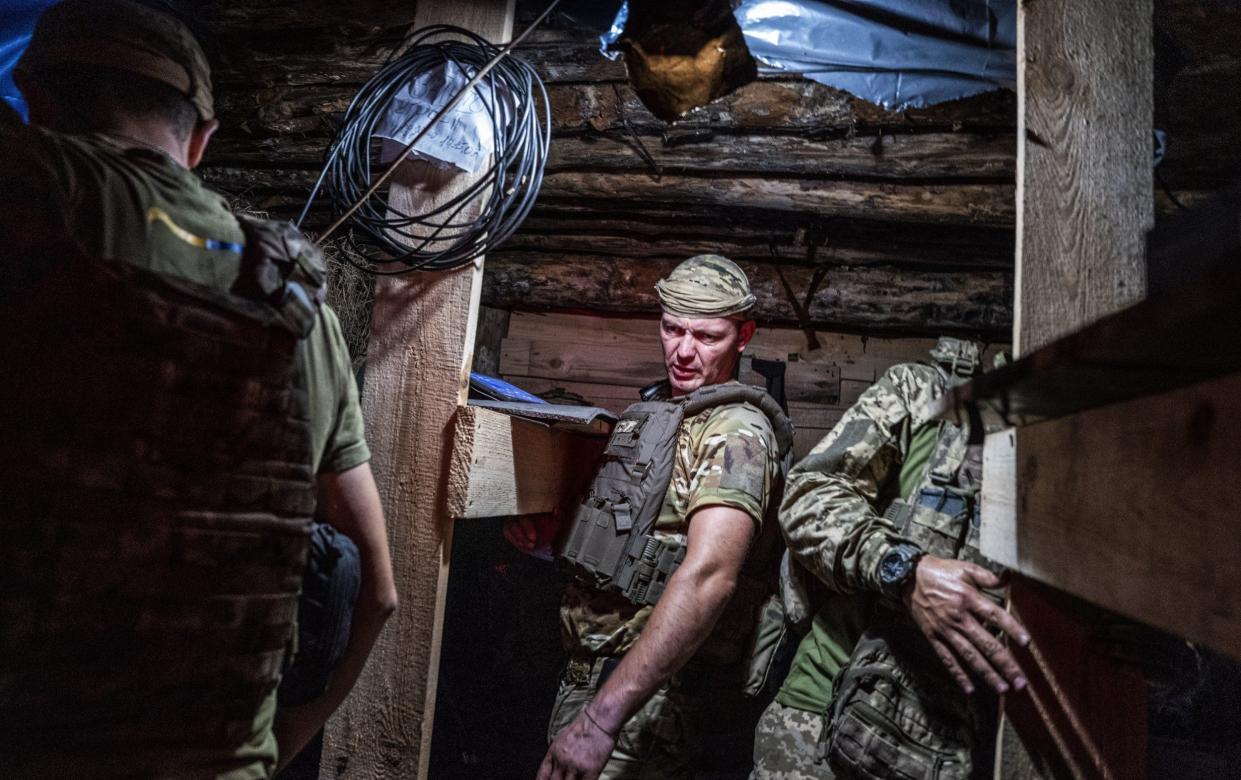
{"x":158,"y":491}
{"x":612,"y":544}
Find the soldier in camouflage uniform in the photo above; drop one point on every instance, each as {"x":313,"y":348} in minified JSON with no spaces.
{"x":640,"y":680}
{"x":840,"y":527}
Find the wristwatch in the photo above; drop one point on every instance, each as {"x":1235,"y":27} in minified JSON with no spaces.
{"x":897,"y":565}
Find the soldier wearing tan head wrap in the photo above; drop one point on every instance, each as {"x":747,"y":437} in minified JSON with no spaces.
{"x":705,"y":286}
{"x":705,"y":325}
{"x":656,"y":691}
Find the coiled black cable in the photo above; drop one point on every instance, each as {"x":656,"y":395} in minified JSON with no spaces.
{"x":447,"y":236}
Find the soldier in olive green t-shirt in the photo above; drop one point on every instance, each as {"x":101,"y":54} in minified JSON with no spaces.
{"x":121,"y":110}
{"x":136,"y":204}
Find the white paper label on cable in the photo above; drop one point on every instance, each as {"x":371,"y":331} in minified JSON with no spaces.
{"x":463,"y":138}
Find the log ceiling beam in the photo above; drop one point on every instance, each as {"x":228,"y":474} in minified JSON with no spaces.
{"x":724,"y":150}
{"x":960,"y":204}
{"x":987,"y":204}
{"x":880,"y":300}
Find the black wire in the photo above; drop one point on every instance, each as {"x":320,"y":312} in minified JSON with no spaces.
{"x":394,"y":242}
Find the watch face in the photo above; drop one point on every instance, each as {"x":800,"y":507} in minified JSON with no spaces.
{"x":894,"y":568}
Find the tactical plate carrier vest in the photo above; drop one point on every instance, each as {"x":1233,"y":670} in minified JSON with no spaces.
{"x":612,"y":543}
{"x":895,"y":711}
{"x":158,"y":494}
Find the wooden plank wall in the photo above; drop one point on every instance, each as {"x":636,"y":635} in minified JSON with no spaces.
{"x":607,"y":360}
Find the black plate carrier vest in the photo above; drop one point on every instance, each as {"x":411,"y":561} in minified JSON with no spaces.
{"x":612,"y":543}
{"x":157,"y":494}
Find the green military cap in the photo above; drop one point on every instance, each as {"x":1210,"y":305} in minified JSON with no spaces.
{"x":125,"y":35}
{"x":705,"y":286}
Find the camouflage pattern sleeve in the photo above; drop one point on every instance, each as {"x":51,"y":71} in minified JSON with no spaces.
{"x":833,"y":501}
{"x":732,"y":460}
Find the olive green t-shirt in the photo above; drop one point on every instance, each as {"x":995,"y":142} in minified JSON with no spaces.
{"x":840,"y":620}
{"x":119,"y":200}
{"x":123,"y":201}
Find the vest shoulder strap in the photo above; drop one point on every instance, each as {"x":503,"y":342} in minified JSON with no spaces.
{"x":731,"y":393}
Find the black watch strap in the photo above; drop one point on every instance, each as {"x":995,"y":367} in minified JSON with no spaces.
{"x":897,"y":565}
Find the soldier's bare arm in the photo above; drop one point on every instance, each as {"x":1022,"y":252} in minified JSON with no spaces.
{"x":719,"y":539}
{"x":352,"y":502}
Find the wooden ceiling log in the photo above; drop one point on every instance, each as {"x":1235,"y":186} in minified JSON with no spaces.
{"x":785,"y":103}
{"x":629,"y":230}
{"x":880,"y":300}
{"x":790,"y":126}
{"x":966,"y":204}
{"x":881,"y":155}
{"x":606,"y":246}
{"x":988,"y":204}
{"x":297,"y":141}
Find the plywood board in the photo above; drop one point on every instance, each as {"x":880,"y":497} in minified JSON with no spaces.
{"x":504,"y":465}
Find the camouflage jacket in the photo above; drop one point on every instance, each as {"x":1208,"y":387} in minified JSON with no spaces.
{"x":832,"y":515}
{"x":725,"y":456}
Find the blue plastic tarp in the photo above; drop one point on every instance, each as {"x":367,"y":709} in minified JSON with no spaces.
{"x":17,"y":18}
{"x":897,"y":53}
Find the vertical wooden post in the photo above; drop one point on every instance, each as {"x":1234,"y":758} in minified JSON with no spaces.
{"x":421,"y":343}
{"x":1084,"y":203}
{"x":1085,"y":182}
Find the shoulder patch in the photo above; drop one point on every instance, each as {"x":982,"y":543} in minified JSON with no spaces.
{"x":745,"y":465}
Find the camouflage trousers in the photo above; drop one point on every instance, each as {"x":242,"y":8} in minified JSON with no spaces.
{"x":692,"y":728}
{"x":786,"y":743}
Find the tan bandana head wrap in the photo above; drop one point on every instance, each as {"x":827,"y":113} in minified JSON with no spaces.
{"x":705,"y":286}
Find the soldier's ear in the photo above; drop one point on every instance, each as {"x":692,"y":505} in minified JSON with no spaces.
{"x":196,"y":145}
{"x":745,"y":333}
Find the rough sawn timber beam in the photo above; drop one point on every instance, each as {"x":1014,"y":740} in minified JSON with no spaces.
{"x":419,"y":357}
{"x":1084,"y":203}
{"x":869,"y":298}
{"x":1133,"y":507}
